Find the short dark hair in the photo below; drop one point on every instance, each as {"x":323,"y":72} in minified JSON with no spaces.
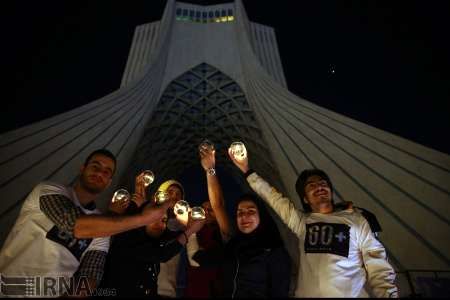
{"x":301,"y":183}
{"x":103,"y":152}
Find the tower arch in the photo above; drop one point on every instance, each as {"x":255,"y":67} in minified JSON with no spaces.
{"x":201,"y":103}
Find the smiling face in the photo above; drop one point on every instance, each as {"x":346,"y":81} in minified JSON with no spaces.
{"x":97,"y":174}
{"x":318,"y":195}
{"x":247,"y":216}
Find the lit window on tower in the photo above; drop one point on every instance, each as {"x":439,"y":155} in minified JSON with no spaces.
{"x":224,"y":16}
{"x":230,"y":15}
{"x":205,"y":16}
{"x":217,"y":16}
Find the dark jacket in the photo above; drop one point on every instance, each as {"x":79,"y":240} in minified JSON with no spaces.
{"x":256,"y":270}
{"x":257,"y":265}
{"x":132,"y":264}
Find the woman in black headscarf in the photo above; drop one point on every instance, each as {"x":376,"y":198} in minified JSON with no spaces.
{"x":255,"y":262}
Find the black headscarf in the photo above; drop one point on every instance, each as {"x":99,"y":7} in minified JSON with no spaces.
{"x":266,"y":235}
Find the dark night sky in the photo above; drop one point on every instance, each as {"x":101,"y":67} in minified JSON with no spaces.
{"x":391,"y":58}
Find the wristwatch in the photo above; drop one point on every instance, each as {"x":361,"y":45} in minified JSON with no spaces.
{"x":211,"y":171}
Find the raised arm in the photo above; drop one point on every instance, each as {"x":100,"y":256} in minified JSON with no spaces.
{"x":59,"y":208}
{"x":208,"y":161}
{"x":89,"y":226}
{"x":140,"y":193}
{"x":284,"y":207}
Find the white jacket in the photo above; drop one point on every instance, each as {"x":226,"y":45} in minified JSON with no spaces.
{"x":338,"y":252}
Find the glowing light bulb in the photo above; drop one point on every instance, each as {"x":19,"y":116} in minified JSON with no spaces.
{"x":198,"y":213}
{"x":181,"y":207}
{"x":149,"y":177}
{"x":121,"y":195}
{"x":238,"y":150}
{"x":161,"y":197}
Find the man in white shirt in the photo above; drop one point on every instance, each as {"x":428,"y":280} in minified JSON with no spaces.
{"x":59,"y":234}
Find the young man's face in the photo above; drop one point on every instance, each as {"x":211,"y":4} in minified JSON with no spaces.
{"x":318,"y":195}
{"x":97,"y":174}
{"x":247,"y":216}
{"x":175,"y":192}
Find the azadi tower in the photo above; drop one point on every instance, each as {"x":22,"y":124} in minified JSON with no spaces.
{"x":208,"y":72}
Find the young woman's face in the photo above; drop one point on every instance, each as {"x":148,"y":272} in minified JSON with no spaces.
{"x":247,"y":216}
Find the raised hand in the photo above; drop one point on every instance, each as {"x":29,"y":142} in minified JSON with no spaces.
{"x":139,"y":190}
{"x":207,"y":158}
{"x":153,"y":213}
{"x":241,"y":164}
{"x":119,"y":207}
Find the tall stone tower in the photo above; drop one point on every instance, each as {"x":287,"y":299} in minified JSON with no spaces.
{"x":208,"y":72}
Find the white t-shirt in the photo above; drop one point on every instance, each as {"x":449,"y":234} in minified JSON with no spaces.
{"x":35,"y":247}
{"x":331,"y":260}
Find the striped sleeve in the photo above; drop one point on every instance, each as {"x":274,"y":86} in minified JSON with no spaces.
{"x":92,"y":265}
{"x":61,"y":210}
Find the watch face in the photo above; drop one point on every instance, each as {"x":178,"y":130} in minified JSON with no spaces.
{"x":211,"y":171}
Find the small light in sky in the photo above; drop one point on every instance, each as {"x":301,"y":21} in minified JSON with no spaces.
{"x":332,"y":70}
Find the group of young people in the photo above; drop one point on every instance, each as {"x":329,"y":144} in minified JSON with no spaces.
{"x":60,"y":233}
